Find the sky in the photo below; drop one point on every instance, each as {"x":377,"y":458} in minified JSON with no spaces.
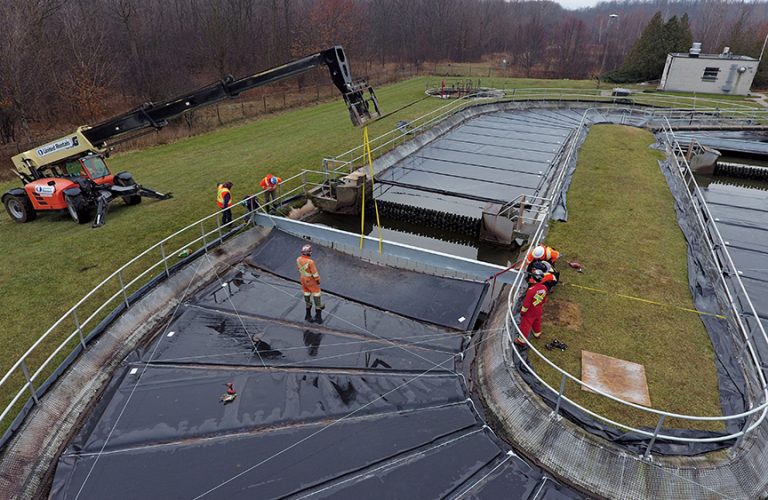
{"x":576,"y":4}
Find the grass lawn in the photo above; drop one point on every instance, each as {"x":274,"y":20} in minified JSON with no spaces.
{"x":622,"y":229}
{"x":48,"y":265}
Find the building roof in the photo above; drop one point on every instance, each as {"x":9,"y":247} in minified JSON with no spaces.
{"x":730,"y":57}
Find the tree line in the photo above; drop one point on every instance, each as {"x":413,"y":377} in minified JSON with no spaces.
{"x":68,"y":62}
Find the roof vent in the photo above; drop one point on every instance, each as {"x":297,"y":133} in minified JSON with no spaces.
{"x":726,"y":52}
{"x":695,"y":50}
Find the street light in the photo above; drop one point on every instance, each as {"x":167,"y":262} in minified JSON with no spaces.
{"x":763,"y":49}
{"x":611,"y":17}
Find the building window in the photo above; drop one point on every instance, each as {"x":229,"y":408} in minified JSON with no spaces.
{"x":710,"y":74}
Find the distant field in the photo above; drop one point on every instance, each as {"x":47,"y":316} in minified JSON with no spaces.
{"x":48,"y":265}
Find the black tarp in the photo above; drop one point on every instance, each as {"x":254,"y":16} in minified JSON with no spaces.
{"x":204,"y":336}
{"x":249,"y":292}
{"x":273,"y":462}
{"x":367,"y":404}
{"x":442,"y":301}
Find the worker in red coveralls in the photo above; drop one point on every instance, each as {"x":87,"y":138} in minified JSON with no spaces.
{"x":310,"y":284}
{"x":533,"y":307}
{"x":269,"y":185}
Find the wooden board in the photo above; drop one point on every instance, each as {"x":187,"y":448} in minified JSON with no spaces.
{"x":617,"y":377}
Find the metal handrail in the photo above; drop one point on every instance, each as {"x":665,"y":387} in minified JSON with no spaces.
{"x":205,"y":238}
{"x":763,"y":407}
{"x":346,"y":160}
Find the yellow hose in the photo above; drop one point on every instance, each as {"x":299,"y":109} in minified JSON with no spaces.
{"x":367,"y":152}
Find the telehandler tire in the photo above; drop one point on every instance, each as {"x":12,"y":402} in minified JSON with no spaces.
{"x":126,"y":179}
{"x":19,"y":208}
{"x":134,"y":199}
{"x":78,"y":209}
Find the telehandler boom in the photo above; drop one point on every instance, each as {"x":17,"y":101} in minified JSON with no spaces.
{"x":70,"y":173}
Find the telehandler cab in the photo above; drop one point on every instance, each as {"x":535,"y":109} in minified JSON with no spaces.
{"x":70,"y":173}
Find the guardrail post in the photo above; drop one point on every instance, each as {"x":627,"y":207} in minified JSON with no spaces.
{"x":165,"y":260}
{"x":29,"y":381}
{"x":218,"y":228}
{"x":653,"y":439}
{"x":202,"y":233}
{"x":122,"y":288}
{"x":520,"y":214}
{"x":79,"y":329}
{"x":740,"y":439}
{"x":560,"y":394}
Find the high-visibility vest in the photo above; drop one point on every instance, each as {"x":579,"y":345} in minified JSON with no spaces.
{"x":221,"y":192}
{"x":535,"y":298}
{"x":306,"y":267}
{"x":550,"y":255}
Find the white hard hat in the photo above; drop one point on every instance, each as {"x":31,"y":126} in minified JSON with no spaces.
{"x":306,"y":250}
{"x":538,"y":252}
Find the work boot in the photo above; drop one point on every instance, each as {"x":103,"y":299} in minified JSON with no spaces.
{"x":318,"y":317}
{"x":308,"y":316}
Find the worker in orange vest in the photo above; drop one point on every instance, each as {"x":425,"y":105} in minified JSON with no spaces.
{"x":224,"y":201}
{"x":269,"y":184}
{"x":533,"y":308}
{"x":310,"y":284}
{"x":542,"y":252}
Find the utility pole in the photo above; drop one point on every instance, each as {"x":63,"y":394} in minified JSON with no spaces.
{"x":611,"y":17}
{"x":760,"y":59}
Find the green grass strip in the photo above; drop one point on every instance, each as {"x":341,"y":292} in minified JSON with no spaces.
{"x":622,"y":229}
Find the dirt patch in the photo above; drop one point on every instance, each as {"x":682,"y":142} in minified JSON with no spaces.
{"x":562,"y":313}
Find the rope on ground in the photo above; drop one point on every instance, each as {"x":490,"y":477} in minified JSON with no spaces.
{"x":297,"y":443}
{"x":138,"y":381}
{"x":387,"y":465}
{"x":472,"y":486}
{"x":331,"y":424}
{"x":630,"y":297}
{"x":426,"y":339}
{"x":331,"y":315}
{"x":240,"y":318}
{"x":357,"y":326}
{"x":336,"y":356}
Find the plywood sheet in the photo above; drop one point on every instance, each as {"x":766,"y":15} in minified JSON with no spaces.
{"x":620,"y":378}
